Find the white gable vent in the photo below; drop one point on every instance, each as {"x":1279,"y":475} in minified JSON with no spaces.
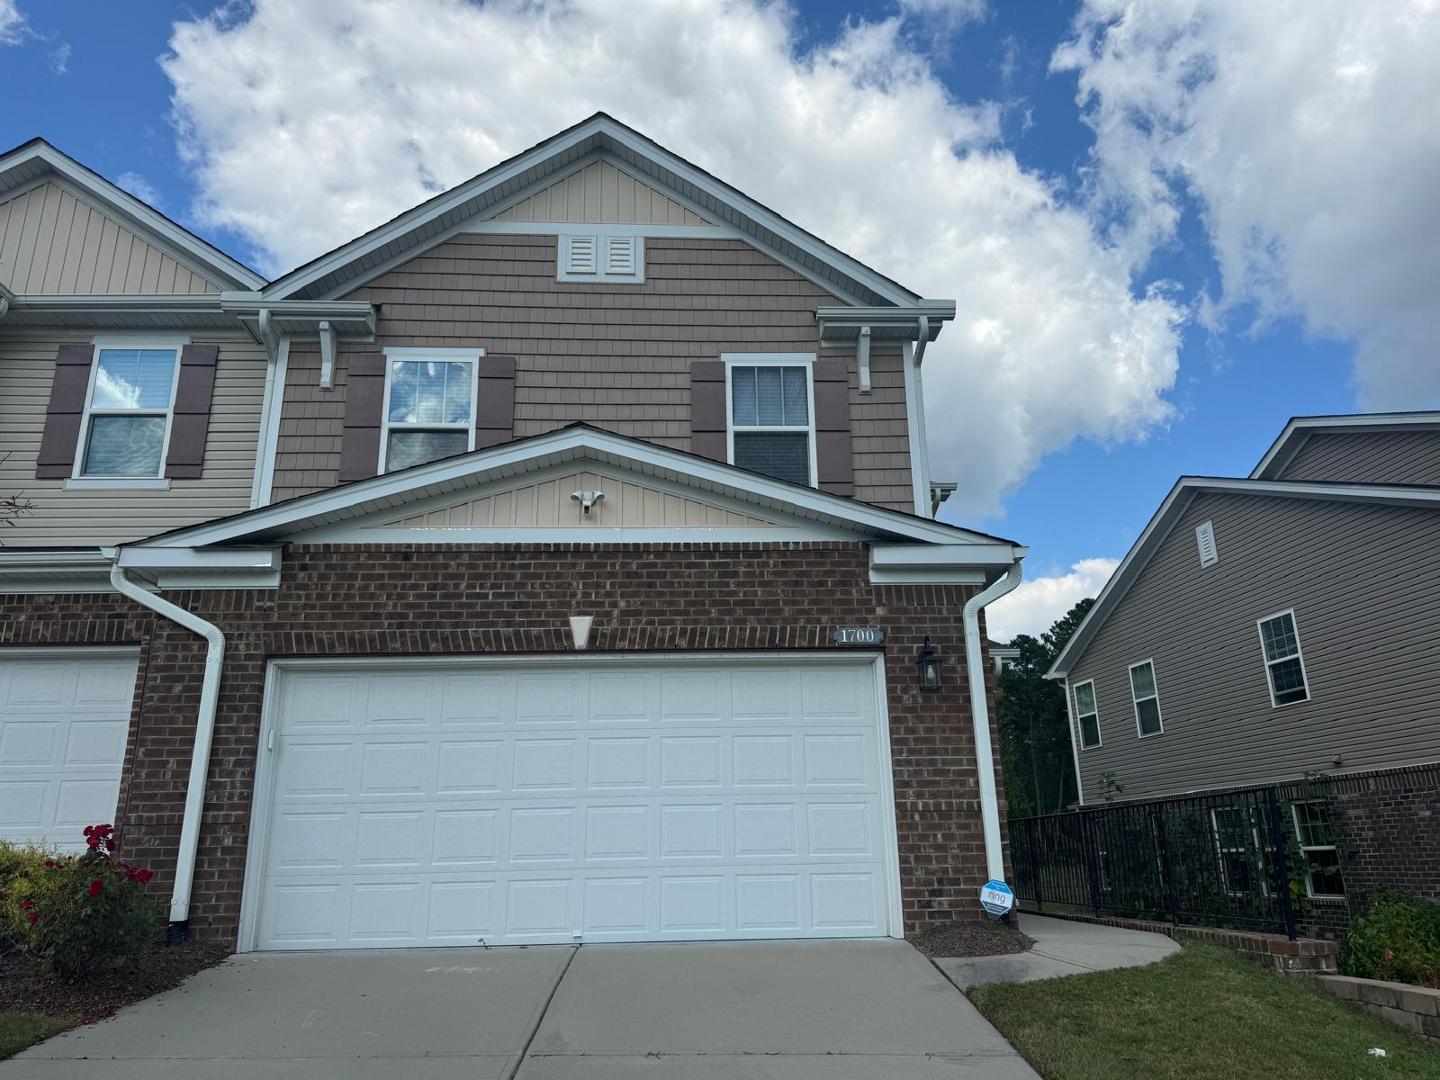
{"x":1205,"y":541}
{"x":602,"y":256}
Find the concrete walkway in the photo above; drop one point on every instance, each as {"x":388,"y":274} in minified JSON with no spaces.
{"x":785,"y":1010}
{"x":1062,"y":947}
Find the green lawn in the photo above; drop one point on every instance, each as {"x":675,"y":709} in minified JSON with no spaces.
{"x":1203,"y":1013}
{"x":19,"y":1030}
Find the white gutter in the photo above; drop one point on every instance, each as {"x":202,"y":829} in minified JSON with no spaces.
{"x":980,"y":715}
{"x":204,"y":735}
{"x":920,"y":466}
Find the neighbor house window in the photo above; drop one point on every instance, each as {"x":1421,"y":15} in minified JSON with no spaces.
{"x":127,"y":414}
{"x":771,"y":411}
{"x":429,"y":405}
{"x":1317,"y":843}
{"x":1087,"y":714}
{"x":1284,"y":665}
{"x":1146,"y":696}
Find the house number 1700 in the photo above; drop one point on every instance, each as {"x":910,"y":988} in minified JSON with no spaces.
{"x":859,"y":635}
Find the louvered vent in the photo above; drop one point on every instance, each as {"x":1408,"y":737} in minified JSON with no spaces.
{"x":620,"y":255}
{"x":1205,"y":541}
{"x":580,"y":255}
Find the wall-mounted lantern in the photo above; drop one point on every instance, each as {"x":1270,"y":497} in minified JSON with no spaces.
{"x":929,"y":663}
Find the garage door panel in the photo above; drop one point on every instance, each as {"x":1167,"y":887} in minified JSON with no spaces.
{"x":637,"y":817}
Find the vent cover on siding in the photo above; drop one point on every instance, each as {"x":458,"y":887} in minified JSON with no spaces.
{"x":602,"y":256}
{"x":620,"y":255}
{"x":1205,"y":541}
{"x":580,"y":255}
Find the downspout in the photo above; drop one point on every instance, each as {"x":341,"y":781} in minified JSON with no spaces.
{"x":204,"y":733}
{"x":918,"y":385}
{"x":980,"y":714}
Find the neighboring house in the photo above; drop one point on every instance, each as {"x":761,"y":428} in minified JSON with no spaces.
{"x":514,"y":573}
{"x":1270,"y":628}
{"x":1002,"y":656}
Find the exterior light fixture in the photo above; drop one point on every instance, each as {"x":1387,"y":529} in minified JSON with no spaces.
{"x":929,"y":663}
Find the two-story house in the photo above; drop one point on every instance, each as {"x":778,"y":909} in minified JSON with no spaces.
{"x":553,"y":562}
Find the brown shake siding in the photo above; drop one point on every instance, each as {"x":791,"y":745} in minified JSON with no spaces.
{"x":1364,"y":586}
{"x":616,"y":356}
{"x":1368,"y":457}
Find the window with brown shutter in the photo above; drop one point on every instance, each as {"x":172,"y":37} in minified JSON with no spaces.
{"x":66,"y":412}
{"x":190,"y":419}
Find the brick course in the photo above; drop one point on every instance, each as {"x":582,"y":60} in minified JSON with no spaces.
{"x":394,"y":600}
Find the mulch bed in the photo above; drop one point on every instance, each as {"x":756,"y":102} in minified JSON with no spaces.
{"x":972,"y":937}
{"x":26,"y":986}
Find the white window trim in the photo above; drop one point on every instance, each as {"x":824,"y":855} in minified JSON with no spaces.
{"x":601,"y":235}
{"x":801,"y":360}
{"x":1298,"y":655}
{"x":1255,"y":850}
{"x":1135,"y":701}
{"x":449,"y":356}
{"x":126,"y":341}
{"x":1305,"y":850}
{"x":1080,"y":717}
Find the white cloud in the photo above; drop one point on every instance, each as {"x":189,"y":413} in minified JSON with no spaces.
{"x":12,"y":23}
{"x":136,"y":184}
{"x":1035,"y":604}
{"x":1307,"y":131}
{"x":957,"y":11}
{"x":309,"y":123}
{"x":60,"y":58}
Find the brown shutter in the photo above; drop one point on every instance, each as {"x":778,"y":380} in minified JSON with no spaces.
{"x":708,"y":433}
{"x":56,"y":459}
{"x":835,"y":465}
{"x":364,"y":399}
{"x":495,"y":402}
{"x":190,"y":424}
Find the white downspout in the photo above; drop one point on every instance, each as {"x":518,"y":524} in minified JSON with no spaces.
{"x":204,"y":734}
{"x":980,"y":714}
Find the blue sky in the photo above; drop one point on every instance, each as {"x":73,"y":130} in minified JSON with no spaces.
{"x":90,"y":78}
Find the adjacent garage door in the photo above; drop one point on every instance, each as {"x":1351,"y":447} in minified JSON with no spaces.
{"x":63,"y":720}
{"x":454,"y":803}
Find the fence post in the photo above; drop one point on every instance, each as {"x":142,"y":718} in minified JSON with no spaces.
{"x":1167,"y":872}
{"x":1282,"y":870}
{"x":1092,"y":861}
{"x":1032,"y":844}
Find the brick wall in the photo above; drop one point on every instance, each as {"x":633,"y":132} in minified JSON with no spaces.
{"x":1388,"y":831}
{"x":341,"y":600}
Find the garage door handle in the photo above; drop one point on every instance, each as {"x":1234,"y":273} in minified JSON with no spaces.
{"x":270,"y":740}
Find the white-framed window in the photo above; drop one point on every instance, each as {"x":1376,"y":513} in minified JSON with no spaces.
{"x":129,"y":405}
{"x":1087,"y":714}
{"x":1284,"y":663}
{"x":601,"y":255}
{"x":429,"y":408}
{"x":1323,"y":878}
{"x":1237,"y":847}
{"x":770,"y":413}
{"x":1146,"y":695}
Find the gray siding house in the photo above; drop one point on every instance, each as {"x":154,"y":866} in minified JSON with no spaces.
{"x":1270,"y":627}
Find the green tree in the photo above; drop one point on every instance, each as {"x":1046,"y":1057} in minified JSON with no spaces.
{"x":1035,"y":754}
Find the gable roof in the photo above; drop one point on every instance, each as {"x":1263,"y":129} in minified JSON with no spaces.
{"x":1299,"y":429}
{"x":390,"y":493}
{"x":424,"y":225}
{"x":1178,"y":501}
{"x":36,"y":161}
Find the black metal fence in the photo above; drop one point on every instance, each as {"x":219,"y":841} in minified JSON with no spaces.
{"x":1225,"y":859}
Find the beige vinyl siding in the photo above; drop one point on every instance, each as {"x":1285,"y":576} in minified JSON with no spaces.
{"x":1365,"y":588}
{"x":548,"y":504}
{"x":1368,"y":457}
{"x":53,"y":242}
{"x":601,"y":194}
{"x":616,"y":356}
{"x":81,"y":518}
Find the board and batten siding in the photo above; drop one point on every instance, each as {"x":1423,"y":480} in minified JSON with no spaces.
{"x":1368,"y":457}
{"x":62,"y":518}
{"x":616,"y":356}
{"x":51,"y":242}
{"x":601,"y":194}
{"x":1365,"y":587}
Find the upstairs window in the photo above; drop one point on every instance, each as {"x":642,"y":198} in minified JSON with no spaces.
{"x":600,"y":256}
{"x":429,"y":409}
{"x":770,"y":418}
{"x":1284,"y":664}
{"x":1146,"y":696}
{"x":128,"y":408}
{"x":1087,"y":715}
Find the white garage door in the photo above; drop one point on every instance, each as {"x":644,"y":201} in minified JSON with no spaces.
{"x":63,"y":720}
{"x":452,"y":804}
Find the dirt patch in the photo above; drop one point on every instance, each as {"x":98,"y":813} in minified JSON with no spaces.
{"x":972,"y":938}
{"x":26,"y":986}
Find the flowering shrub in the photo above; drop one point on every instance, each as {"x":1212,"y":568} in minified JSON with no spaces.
{"x":20,"y":866}
{"x":83,"y":913}
{"x":1397,"y":940}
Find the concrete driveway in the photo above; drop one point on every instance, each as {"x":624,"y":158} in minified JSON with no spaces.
{"x":748,"y":1011}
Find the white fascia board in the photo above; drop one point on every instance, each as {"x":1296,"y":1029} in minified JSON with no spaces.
{"x":396,"y":534}
{"x":212,"y":260}
{"x":263,"y":560}
{"x":903,"y":316}
{"x":1283,"y":450}
{"x":391,"y":490}
{"x":940,"y":564}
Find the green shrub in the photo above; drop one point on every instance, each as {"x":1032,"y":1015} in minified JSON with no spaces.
{"x":1397,"y":940}
{"x":20,"y":868}
{"x":84,"y":914}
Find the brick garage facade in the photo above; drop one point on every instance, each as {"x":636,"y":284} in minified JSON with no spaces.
{"x":393,"y":600}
